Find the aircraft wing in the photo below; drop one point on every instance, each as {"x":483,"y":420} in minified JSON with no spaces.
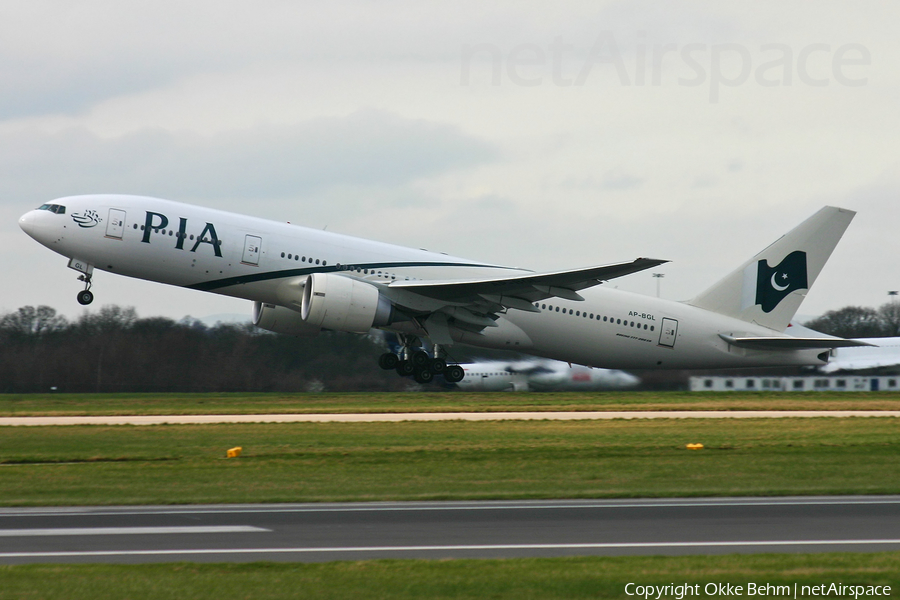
{"x":474,"y":304}
{"x":522,"y":290}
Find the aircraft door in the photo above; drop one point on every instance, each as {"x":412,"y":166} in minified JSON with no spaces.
{"x":252,"y":245}
{"x":115,"y":226}
{"x":667,"y":333}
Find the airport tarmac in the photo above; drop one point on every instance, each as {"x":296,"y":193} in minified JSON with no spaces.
{"x":354,"y":531}
{"x":442,"y":416}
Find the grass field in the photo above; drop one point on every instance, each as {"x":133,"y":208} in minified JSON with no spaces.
{"x":549,"y":578}
{"x":173,"y":464}
{"x":179,"y":404}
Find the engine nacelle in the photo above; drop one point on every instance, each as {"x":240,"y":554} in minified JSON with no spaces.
{"x":344,"y":304}
{"x":279,"y":319}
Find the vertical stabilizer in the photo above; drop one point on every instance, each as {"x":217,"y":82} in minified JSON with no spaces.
{"x":769,"y":288}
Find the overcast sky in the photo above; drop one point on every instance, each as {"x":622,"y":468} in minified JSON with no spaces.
{"x":551,"y":136}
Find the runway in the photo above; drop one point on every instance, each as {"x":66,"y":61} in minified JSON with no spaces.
{"x":326,"y":532}
{"x":441,"y":416}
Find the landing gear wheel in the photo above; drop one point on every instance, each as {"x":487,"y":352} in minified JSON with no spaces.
{"x":454,"y":374}
{"x":420,"y":358}
{"x":423,"y":375}
{"x":405,"y":368}
{"x":388,"y":361}
{"x":85,"y":297}
{"x":438,"y":365}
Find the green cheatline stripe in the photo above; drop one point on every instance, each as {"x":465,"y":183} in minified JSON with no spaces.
{"x":206,"y":286}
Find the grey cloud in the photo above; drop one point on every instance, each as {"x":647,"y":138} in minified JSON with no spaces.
{"x":36,"y":86}
{"x":367,"y":148}
{"x":66,"y":58}
{"x":620,"y":181}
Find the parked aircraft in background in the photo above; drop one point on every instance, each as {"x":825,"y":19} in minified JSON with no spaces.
{"x":883,"y":353}
{"x":305,"y":280}
{"x":541,"y":375}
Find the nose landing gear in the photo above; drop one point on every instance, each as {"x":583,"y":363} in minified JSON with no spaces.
{"x":85,"y":296}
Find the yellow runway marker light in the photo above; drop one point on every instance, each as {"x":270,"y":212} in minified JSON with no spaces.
{"x":234,"y":452}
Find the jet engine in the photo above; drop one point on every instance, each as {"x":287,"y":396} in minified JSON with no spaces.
{"x":344,"y":304}
{"x":279,"y":319}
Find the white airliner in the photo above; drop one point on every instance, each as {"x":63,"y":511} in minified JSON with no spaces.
{"x":881,"y":353}
{"x":304,"y":280}
{"x":541,"y":375}
{"x":872,"y":353}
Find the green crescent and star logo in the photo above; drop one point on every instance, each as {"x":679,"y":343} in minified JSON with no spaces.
{"x":773,"y":284}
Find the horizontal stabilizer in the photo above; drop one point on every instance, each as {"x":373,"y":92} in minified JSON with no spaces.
{"x":791,"y":343}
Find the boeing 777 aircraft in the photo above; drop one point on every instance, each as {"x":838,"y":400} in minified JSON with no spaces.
{"x":304,"y":280}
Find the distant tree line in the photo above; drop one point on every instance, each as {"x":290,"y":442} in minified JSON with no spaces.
{"x":113,"y":350}
{"x":860,"y":321}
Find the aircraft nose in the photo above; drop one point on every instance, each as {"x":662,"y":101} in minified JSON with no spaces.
{"x":26,"y":223}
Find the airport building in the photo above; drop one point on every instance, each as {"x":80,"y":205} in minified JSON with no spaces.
{"x":723,"y":383}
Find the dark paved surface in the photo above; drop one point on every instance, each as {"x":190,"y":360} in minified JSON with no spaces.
{"x":323,"y":532}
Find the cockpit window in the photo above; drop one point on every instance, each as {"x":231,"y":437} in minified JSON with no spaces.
{"x":54,"y":208}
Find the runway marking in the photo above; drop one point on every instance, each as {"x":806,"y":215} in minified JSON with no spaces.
{"x":128,"y":530}
{"x":360,"y":549}
{"x":77,"y":512}
{"x":444,"y":416}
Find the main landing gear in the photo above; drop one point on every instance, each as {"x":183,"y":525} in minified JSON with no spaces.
{"x":419,"y":364}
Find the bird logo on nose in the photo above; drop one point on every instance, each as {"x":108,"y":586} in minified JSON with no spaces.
{"x":89,"y":218}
